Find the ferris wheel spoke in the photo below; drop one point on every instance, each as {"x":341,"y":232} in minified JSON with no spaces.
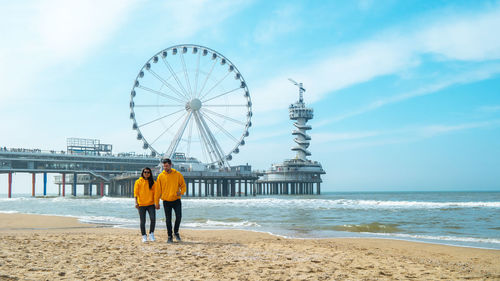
{"x":160,"y":94}
{"x":203,"y":138}
{"x":166,"y":130}
{"x":172,"y":88}
{"x":225,"y":105}
{"x":204,"y":148}
{"x":175,"y":77}
{"x":178,"y":136}
{"x":186,"y":76}
{"x":159,"y":105}
{"x":190,"y":131}
{"x":223,"y":116}
{"x":157,"y":119}
{"x":221,"y":128}
{"x":206,"y":78}
{"x":217,"y":148}
{"x":216,"y":84}
{"x":223,"y":94}
{"x":197,"y":74}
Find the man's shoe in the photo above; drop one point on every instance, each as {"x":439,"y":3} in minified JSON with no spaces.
{"x":178,"y":237}
{"x":144,"y":238}
{"x":170,"y":240}
{"x":152,"y":237}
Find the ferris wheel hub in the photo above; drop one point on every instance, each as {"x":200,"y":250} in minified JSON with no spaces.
{"x":194,"y":105}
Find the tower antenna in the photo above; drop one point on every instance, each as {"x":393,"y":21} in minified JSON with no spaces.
{"x":301,"y":89}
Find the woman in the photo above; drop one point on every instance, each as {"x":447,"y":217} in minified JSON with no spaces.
{"x":144,"y":190}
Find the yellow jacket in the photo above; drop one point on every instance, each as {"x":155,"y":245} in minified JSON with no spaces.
{"x":145,"y":196}
{"x":167,"y":186}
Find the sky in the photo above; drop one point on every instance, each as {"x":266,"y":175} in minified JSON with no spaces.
{"x":406,"y":94}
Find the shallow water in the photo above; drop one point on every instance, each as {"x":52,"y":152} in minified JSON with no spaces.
{"x":455,"y":218}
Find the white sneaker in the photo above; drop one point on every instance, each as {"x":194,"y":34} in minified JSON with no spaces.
{"x":144,"y":238}
{"x":152,"y":237}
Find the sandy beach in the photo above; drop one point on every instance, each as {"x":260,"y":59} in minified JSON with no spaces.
{"x":37,"y":247}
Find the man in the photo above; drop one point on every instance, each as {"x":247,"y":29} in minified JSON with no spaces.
{"x":170,"y":186}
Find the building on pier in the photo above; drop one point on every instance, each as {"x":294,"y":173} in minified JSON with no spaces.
{"x":299,"y":175}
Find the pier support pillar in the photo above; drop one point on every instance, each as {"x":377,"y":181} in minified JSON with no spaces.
{"x":246,"y":193}
{"x":318,"y":188}
{"x":233,"y":187}
{"x":102,"y":189}
{"x":199,"y":186}
{"x":63,"y":176}
{"x":73,"y":191}
{"x":239,"y":188}
{"x":33,"y":179}
{"x":219,"y":183}
{"x":45,"y":184}
{"x":90,"y":189}
{"x":9,"y":190}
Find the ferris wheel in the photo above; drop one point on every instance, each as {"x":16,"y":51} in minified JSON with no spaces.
{"x":193,"y":100}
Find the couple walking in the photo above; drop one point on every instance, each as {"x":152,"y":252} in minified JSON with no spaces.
{"x":169,"y":186}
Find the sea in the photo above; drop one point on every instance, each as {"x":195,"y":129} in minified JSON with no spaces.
{"x":467,"y":219}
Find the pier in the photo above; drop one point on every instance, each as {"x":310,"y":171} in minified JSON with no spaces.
{"x":74,"y":169}
{"x":115,"y":175}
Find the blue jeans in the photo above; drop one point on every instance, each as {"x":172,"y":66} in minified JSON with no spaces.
{"x":168,"y":206}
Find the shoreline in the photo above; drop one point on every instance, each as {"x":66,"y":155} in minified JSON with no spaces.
{"x":64,"y":248}
{"x":369,"y":235}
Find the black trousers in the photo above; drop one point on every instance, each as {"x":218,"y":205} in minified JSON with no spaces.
{"x":152,"y":216}
{"x":168,"y":206}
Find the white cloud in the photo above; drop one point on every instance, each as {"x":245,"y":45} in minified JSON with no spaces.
{"x":466,"y":37}
{"x":490,"y":108}
{"x":186,"y":18}
{"x":40,"y":35}
{"x":284,"y":20}
{"x":483,"y":73}
{"x":434,"y":130}
{"x":344,"y":136}
{"x":72,"y":29}
{"x":360,"y":139}
{"x":470,"y":37}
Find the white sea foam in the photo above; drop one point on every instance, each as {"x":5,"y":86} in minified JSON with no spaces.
{"x":221,"y":224}
{"x":106,"y":220}
{"x":115,"y":200}
{"x":334,"y":204}
{"x":443,"y":238}
{"x":9,"y":212}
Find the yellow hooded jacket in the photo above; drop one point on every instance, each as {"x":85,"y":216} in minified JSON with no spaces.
{"x":167,"y":186}
{"x":145,"y":196}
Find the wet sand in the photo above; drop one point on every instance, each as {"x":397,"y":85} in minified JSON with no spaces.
{"x":36,"y":247}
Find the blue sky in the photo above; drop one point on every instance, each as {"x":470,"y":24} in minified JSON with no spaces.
{"x":406,"y":94}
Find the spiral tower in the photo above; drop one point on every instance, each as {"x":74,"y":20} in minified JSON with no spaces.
{"x":298,"y":175}
{"x":301,"y":114}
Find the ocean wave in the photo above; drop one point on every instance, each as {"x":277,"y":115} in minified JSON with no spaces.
{"x":333,"y":204}
{"x":371,"y":227}
{"x":106,"y":220}
{"x":443,"y":238}
{"x":9,"y":212}
{"x":115,"y":199}
{"x":221,"y":224}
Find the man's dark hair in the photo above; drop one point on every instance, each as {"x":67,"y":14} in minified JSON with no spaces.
{"x":166,"y":160}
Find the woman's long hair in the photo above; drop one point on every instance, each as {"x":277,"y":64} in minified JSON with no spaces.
{"x":150,"y":179}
